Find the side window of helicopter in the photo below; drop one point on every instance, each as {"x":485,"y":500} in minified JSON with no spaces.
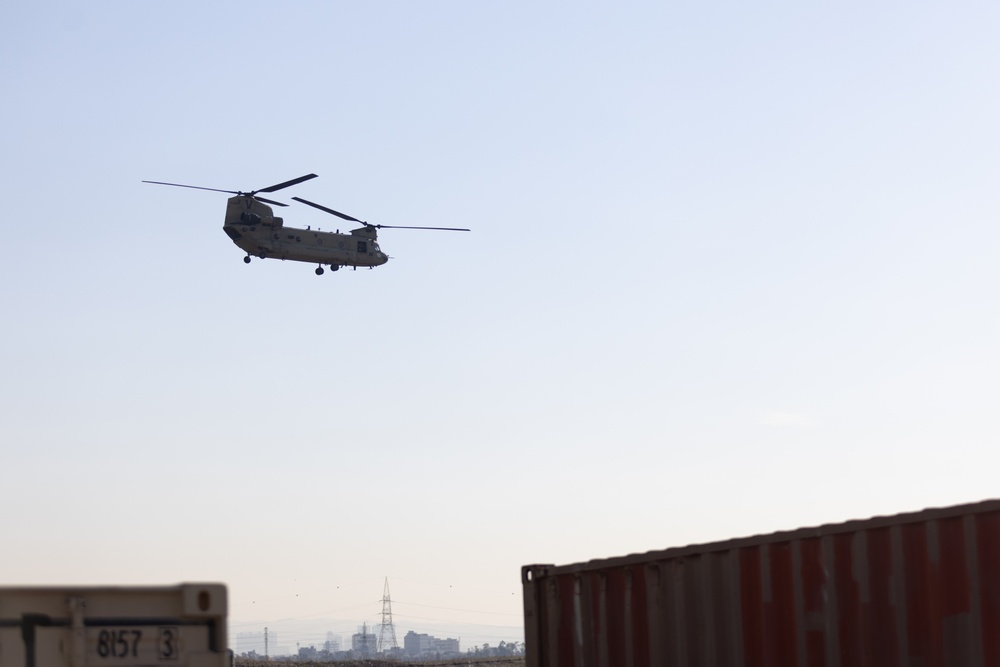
{"x":362,"y":246}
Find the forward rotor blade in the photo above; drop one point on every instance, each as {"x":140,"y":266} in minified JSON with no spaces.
{"x":194,"y":187}
{"x":270,"y":201}
{"x":328,"y":210}
{"x":442,"y":229}
{"x":286,"y":184}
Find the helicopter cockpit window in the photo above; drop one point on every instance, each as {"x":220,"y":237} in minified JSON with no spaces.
{"x":362,"y":246}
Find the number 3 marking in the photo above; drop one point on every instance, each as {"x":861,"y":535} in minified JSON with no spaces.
{"x":168,"y":644}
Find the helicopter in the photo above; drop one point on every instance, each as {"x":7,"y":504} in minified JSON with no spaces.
{"x":253,"y":227}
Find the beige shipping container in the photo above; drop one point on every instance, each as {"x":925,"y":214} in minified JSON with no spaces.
{"x":103,"y":626}
{"x":912,"y":590}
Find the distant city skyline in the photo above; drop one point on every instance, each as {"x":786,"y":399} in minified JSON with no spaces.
{"x":270,"y":643}
{"x":294,"y":635}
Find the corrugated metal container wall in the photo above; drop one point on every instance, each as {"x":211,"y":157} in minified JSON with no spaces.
{"x":912,"y":590}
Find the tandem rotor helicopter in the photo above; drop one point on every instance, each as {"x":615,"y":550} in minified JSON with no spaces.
{"x":252,"y":226}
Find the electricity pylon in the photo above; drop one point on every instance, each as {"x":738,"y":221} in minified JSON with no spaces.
{"x":387,"y":635}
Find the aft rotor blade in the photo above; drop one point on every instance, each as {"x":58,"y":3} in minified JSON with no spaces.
{"x":328,"y":210}
{"x":195,"y":187}
{"x":442,"y":229}
{"x":286,"y":184}
{"x":347,"y":217}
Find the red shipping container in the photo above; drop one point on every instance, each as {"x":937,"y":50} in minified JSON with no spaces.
{"x":912,"y":590}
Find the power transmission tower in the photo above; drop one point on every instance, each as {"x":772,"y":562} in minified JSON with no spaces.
{"x":387,"y":635}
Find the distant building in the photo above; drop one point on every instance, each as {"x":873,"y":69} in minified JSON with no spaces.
{"x":447,"y":646}
{"x":416,"y":645}
{"x":422,"y":645}
{"x":332,"y":643}
{"x":364,"y":643}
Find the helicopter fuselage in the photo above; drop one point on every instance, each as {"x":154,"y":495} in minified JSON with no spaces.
{"x":253,"y":227}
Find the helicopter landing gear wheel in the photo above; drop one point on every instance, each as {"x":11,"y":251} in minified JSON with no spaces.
{"x":246,"y":260}
{"x":319,"y":270}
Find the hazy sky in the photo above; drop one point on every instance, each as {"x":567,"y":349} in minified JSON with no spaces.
{"x":733,"y":269}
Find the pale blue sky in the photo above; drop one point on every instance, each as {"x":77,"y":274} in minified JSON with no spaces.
{"x":733,"y":269}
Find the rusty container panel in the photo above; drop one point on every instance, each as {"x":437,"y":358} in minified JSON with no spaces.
{"x":911,"y":590}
